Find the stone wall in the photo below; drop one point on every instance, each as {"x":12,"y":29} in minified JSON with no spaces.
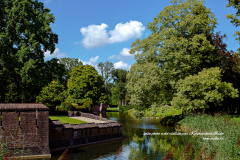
{"x":66,"y":135}
{"x":31,"y":132}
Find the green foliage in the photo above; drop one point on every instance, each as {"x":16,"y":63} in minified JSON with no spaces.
{"x":227,"y":148}
{"x":235,"y":18}
{"x":66,"y":106}
{"x":106,"y":69}
{"x":25,"y":27}
{"x":88,"y":105}
{"x":144,"y":88}
{"x":196,"y":91}
{"x":119,"y":77}
{"x":180,"y":46}
{"x":85,"y":83}
{"x":126,"y":107}
{"x":69,"y":63}
{"x":52,"y":94}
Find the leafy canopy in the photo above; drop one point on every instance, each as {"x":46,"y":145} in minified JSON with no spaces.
{"x":85,"y":84}
{"x":180,"y":45}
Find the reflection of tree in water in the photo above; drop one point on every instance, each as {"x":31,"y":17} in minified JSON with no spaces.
{"x":156,"y":147}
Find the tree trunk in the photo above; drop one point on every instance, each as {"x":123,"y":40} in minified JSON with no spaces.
{"x":119,"y":102}
{"x":125,"y":102}
{"x":3,"y":95}
{"x":182,"y":113}
{"x":122,"y":102}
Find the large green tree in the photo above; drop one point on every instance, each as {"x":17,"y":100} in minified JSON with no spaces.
{"x":204,"y":90}
{"x":120,"y":79}
{"x":53,"y":94}
{"x":69,"y":63}
{"x":106,"y":69}
{"x":86,"y":84}
{"x":180,"y":45}
{"x":24,"y":29}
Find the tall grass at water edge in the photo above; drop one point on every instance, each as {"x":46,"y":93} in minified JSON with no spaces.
{"x":220,"y":149}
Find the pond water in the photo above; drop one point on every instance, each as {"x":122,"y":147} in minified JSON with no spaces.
{"x":134,"y":145}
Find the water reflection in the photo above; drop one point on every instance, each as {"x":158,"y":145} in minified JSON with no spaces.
{"x":135,"y":144}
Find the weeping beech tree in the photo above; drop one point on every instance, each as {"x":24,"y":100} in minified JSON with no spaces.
{"x":180,"y":45}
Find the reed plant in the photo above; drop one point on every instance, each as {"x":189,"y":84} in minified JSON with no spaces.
{"x":6,"y":152}
{"x":222,"y":144}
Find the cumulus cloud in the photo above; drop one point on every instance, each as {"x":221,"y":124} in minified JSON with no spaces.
{"x":123,"y":55}
{"x":56,"y":54}
{"x":121,"y":65}
{"x":91,"y":62}
{"x":96,"y":35}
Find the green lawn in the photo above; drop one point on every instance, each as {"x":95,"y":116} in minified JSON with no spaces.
{"x":113,"y":109}
{"x":64,"y":119}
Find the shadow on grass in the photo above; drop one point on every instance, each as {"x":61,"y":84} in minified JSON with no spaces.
{"x":171,"y":120}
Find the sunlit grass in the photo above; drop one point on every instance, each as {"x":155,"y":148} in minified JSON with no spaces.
{"x":225,"y":148}
{"x":63,"y":119}
{"x":69,"y":120}
{"x":113,"y":109}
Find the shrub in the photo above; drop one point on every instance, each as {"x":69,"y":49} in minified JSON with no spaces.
{"x":127,"y":107}
{"x":88,"y":105}
{"x":66,"y":106}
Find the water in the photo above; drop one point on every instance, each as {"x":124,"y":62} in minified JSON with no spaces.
{"x":134,"y":145}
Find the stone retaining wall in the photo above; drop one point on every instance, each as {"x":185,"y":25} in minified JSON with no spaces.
{"x":70,"y":135}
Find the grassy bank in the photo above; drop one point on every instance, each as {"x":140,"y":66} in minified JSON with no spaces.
{"x":222,"y":141}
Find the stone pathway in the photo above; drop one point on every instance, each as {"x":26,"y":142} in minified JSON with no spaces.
{"x":89,"y":120}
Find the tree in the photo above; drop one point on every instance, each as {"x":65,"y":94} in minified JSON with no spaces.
{"x":69,"y":63}
{"x":106,"y":69}
{"x":53,"y":94}
{"x":24,"y":28}
{"x":234,"y":19}
{"x":86,"y":84}
{"x":230,"y":69}
{"x":203,"y":90}
{"x":119,"y":77}
{"x":180,"y":45}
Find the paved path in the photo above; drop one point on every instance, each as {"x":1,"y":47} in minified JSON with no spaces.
{"x":89,"y":120}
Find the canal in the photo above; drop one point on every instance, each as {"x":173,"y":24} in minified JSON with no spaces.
{"x":135,"y":144}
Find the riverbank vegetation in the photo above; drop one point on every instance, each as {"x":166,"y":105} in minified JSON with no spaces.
{"x":222,"y":141}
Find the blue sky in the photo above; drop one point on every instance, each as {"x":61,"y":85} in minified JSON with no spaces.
{"x":103,"y":30}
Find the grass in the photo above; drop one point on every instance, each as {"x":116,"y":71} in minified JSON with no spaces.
{"x":69,"y":120}
{"x":227,"y":148}
{"x":113,"y":109}
{"x":64,"y":119}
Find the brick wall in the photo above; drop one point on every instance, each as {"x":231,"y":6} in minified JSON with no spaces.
{"x":32,"y":131}
{"x":66,"y":135}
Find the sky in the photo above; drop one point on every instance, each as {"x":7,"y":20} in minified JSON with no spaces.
{"x":103,"y":30}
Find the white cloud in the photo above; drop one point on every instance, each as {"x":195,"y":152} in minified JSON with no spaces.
{"x":125,"y":52}
{"x":96,"y":35}
{"x":91,"y":62}
{"x":94,"y":60}
{"x":126,"y":31}
{"x":123,"y":55}
{"x":56,"y":54}
{"x":121,"y":65}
